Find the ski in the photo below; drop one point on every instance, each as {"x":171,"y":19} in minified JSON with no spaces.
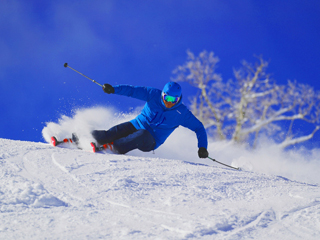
{"x":101,"y":148}
{"x":74,"y":140}
{"x":55,"y":142}
{"x":97,"y":149}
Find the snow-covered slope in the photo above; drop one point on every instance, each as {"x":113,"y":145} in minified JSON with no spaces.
{"x":60,"y":193}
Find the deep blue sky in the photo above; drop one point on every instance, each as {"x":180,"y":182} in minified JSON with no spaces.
{"x":138,"y":42}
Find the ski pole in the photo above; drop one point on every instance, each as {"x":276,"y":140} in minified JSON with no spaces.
{"x":66,"y":65}
{"x":224,"y":164}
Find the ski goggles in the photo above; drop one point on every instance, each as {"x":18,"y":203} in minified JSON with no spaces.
{"x":169,"y":98}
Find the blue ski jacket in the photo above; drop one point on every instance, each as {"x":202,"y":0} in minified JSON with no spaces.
{"x":159,"y":120}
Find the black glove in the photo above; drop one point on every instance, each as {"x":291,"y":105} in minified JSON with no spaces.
{"x":203,"y":153}
{"x":107,"y":88}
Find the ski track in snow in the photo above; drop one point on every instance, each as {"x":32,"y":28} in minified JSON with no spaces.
{"x":60,"y":193}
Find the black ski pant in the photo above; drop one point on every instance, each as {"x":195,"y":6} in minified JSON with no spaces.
{"x":126,"y":137}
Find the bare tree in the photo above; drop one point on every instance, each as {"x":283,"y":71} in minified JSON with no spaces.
{"x":243,"y":108}
{"x":200,"y":73}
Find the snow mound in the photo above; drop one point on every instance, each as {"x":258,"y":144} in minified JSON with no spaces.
{"x":61,"y":193}
{"x":22,"y":194}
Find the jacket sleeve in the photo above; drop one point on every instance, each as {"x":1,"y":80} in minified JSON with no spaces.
{"x":142,"y":93}
{"x":191,"y":122}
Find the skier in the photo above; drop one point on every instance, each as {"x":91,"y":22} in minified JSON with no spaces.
{"x":161,"y":115}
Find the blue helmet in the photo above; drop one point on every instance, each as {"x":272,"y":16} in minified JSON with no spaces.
{"x":172,"y":89}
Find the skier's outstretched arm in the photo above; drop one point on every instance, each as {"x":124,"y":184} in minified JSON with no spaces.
{"x":142,"y":93}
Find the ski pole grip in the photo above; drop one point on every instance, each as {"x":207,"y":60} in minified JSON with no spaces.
{"x":65,"y":65}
